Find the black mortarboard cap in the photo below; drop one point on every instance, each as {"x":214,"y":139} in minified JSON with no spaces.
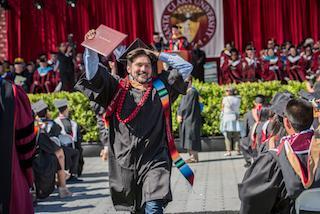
{"x":133,"y":46}
{"x":61,"y":103}
{"x":39,"y":106}
{"x":280,"y":101}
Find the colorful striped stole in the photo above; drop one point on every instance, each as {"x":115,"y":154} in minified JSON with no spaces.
{"x":178,"y":161}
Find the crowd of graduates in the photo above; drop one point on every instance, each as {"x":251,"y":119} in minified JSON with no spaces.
{"x":50,"y":72}
{"x":276,"y":62}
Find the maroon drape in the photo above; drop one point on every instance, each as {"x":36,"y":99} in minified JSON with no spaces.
{"x":259,"y":20}
{"x":31,"y":31}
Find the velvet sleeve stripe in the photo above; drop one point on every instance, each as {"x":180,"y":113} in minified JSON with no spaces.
{"x":25,"y":132}
{"x":26,"y":163}
{"x":28,"y":147}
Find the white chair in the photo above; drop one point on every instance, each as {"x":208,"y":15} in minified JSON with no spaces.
{"x":308,"y":200}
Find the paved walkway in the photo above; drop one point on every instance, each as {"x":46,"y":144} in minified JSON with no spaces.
{"x":215,"y":189}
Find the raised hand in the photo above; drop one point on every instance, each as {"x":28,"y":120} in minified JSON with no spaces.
{"x":90,"y":34}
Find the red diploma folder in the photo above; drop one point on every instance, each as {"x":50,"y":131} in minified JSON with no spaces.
{"x":105,"y":41}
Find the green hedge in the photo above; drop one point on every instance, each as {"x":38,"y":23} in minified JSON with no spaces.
{"x":211,"y":95}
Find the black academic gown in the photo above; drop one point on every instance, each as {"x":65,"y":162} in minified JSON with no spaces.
{"x":79,"y":157}
{"x":270,"y":185}
{"x":66,"y":68}
{"x":246,"y":141}
{"x":198,"y":59}
{"x":189,"y":131}
{"x":139,"y":160}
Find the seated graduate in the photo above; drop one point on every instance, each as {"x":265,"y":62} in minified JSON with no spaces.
{"x":231,"y":70}
{"x":293,"y":68}
{"x":271,"y":67}
{"x":276,"y":126}
{"x":50,"y":151}
{"x":43,"y":78}
{"x":70,"y":138}
{"x":274,"y":180}
{"x":251,"y":119}
{"x":250,"y":65}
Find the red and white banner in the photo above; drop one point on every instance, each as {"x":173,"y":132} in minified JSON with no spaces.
{"x":200,"y":21}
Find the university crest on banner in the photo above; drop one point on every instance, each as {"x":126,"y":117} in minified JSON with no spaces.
{"x":200,"y":21}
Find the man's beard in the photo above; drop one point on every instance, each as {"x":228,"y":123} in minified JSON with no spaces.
{"x":139,"y":80}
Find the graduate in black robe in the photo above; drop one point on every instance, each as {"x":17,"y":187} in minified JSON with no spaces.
{"x":139,"y":160}
{"x":66,"y":67}
{"x":52,"y":156}
{"x":189,"y":117}
{"x":250,"y":122}
{"x":71,"y":129}
{"x":274,"y":181}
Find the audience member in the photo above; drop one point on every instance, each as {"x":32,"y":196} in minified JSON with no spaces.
{"x":230,"y":125}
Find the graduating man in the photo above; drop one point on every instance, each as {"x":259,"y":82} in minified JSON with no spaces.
{"x":17,"y":149}
{"x":140,"y":137}
{"x":279,"y":176}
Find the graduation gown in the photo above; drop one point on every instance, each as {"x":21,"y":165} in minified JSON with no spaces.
{"x":271,"y":69}
{"x":294,"y":70}
{"x":198,"y":59}
{"x":66,"y":68}
{"x":224,"y":57}
{"x":250,"y":130}
{"x":22,"y":80}
{"x":231,"y":72}
{"x":17,"y":149}
{"x":45,"y":81}
{"x":189,"y":110}
{"x":139,"y":160}
{"x":178,"y":44}
{"x":250,"y":68}
{"x":270,"y":185}
{"x":305,"y":63}
{"x":248,"y":123}
{"x":315,"y":61}
{"x":71,"y":128}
